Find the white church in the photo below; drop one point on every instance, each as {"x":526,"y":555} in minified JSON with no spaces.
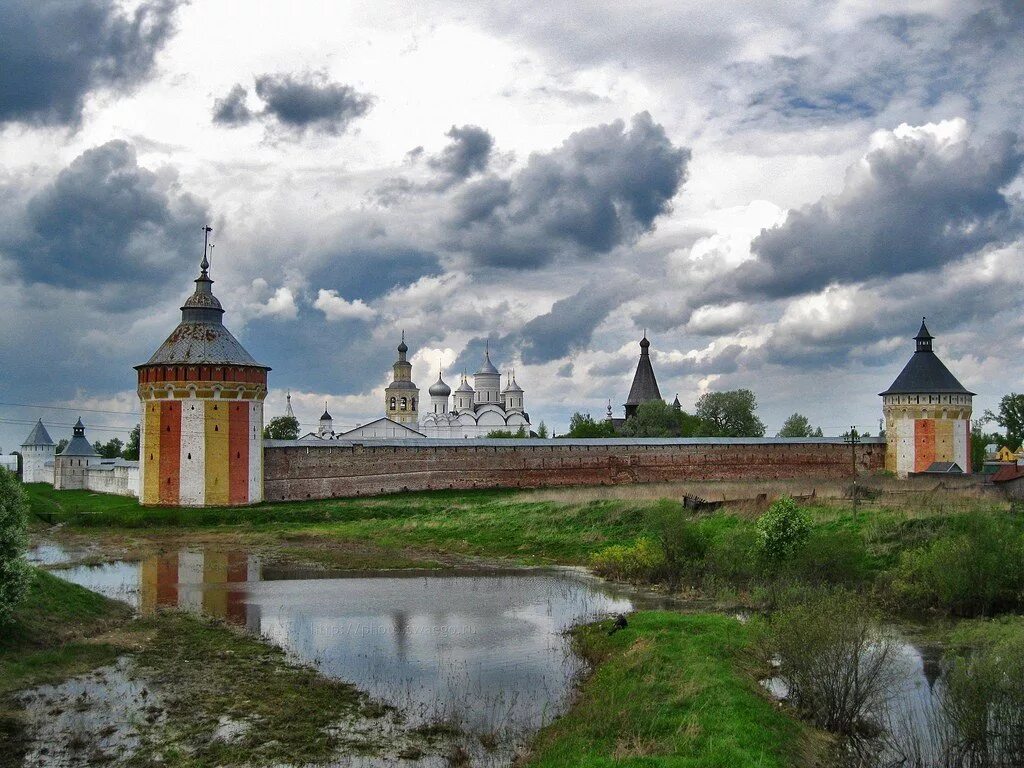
{"x":475,"y":410}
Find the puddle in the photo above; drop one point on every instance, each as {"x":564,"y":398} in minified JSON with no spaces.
{"x":95,"y":718}
{"x":485,"y":652}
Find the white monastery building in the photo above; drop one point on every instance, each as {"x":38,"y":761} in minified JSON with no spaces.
{"x":476,"y":410}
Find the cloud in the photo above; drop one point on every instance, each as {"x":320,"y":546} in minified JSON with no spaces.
{"x":603,"y":187}
{"x":106,"y":222}
{"x":920,"y":198}
{"x":56,"y":52}
{"x":335,"y":307}
{"x":468,"y":152}
{"x":295,"y":103}
{"x":231,"y":110}
{"x":570,"y":324}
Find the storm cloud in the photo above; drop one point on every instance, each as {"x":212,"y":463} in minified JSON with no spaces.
{"x":921,"y":198}
{"x":468,"y":152}
{"x":106,"y":222}
{"x":570,"y":324}
{"x":295,"y":103}
{"x":602,"y":188}
{"x":56,"y":52}
{"x":231,"y":109}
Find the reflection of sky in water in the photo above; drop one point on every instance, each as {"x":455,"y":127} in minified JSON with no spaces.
{"x":485,"y":650}
{"x":117,"y":580}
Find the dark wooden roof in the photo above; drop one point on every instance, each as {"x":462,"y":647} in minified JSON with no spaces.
{"x":645,"y":385}
{"x":924,"y":373}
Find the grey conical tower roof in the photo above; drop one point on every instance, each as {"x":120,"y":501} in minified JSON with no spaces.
{"x":201,"y":338}
{"x":645,"y":385}
{"x":925,"y":373}
{"x":38,"y":435}
{"x":79,"y":445}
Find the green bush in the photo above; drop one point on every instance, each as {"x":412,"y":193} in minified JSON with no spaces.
{"x":836,"y":661}
{"x":782,"y":530}
{"x":641,"y":561}
{"x":14,"y":570}
{"x":831,"y":557}
{"x":978,"y":570}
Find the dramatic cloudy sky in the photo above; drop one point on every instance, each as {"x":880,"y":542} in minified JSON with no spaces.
{"x":776,"y":191}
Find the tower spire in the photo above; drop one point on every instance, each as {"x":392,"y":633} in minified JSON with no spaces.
{"x":204,"y":265}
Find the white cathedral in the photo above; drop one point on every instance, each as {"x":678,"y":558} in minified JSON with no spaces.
{"x":474,"y":411}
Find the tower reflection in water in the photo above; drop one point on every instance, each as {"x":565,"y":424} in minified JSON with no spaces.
{"x":207,"y":582}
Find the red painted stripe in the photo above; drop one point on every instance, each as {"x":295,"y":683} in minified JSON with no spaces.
{"x":170,"y":451}
{"x":924,"y":444}
{"x":238,"y":453}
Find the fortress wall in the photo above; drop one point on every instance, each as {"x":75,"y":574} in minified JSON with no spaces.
{"x":295,"y":470}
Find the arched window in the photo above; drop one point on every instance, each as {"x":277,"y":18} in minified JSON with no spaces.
{"x":405,"y":403}
{"x":414,"y":403}
{"x":392,"y":403}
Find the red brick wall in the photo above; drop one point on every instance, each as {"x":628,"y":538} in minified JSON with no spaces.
{"x":318,"y":472}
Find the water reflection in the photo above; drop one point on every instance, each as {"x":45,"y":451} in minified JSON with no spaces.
{"x":485,"y":651}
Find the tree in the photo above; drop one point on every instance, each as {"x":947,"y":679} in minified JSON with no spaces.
{"x":61,"y":445}
{"x":109,"y":450}
{"x":507,"y":433}
{"x":1010,"y":418}
{"x":729,"y":414}
{"x":656,"y":418}
{"x":131,"y":448}
{"x":282,"y":428}
{"x":584,"y":425}
{"x":542,"y":430}
{"x":14,"y":570}
{"x":798,"y":425}
{"x":979,"y":440}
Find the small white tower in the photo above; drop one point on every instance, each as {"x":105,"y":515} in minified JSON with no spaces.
{"x":326,"y":424}
{"x":37,"y":449}
{"x":487,"y":381}
{"x":464,"y":396}
{"x":439,"y":394}
{"x":512,"y":397}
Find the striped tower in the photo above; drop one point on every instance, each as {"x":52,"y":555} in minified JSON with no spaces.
{"x":927,"y":415}
{"x":202,"y":412}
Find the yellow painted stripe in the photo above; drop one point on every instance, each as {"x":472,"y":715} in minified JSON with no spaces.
{"x":943,"y":440}
{"x":151,"y":460}
{"x":217,"y":452}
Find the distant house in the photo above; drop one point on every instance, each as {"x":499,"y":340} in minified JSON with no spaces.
{"x":1010,"y":480}
{"x":1005,"y":454}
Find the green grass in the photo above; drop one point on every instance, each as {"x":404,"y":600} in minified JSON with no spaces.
{"x":672,"y":691}
{"x":50,"y":637}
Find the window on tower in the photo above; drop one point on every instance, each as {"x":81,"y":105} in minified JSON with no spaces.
{"x":405,"y":403}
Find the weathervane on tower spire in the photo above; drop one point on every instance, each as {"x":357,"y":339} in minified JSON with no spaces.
{"x":204,"y":265}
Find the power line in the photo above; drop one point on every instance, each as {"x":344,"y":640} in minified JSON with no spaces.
{"x":66,"y":408}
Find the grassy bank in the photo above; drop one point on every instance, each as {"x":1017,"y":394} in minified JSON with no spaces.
{"x":932,"y":551}
{"x":672,"y":690}
{"x":57,"y":631}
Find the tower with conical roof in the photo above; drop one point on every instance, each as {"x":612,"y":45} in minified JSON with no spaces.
{"x":36,"y":450}
{"x":645,"y":385}
{"x":71,"y":465}
{"x":401,"y":397}
{"x":927,"y":414}
{"x":202,"y":411}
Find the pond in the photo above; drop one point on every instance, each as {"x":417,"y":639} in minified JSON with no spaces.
{"x":483,"y":650}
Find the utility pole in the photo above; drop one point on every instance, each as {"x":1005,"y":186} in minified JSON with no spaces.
{"x":854,"y":440}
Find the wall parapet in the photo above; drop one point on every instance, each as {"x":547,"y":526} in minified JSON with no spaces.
{"x":295,"y":469}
